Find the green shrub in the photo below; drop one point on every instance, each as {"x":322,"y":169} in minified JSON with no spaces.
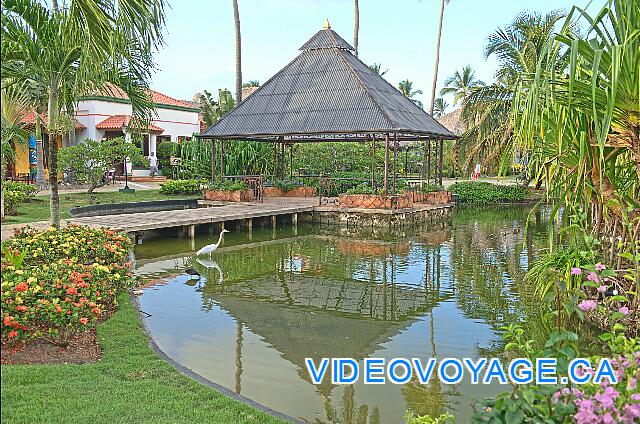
{"x":182,"y":186}
{"x":228,"y":185}
{"x":362,"y":189}
{"x":60,"y":281}
{"x":286,"y":185}
{"x":428,"y":188}
{"x":482,"y":192}
{"x":16,"y":193}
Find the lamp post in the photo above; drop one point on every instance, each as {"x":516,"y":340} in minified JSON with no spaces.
{"x":126,"y":188}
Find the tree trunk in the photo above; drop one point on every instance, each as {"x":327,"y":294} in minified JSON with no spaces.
{"x":435,"y":71}
{"x":54,"y":202}
{"x":356,"y":26}
{"x":236,"y":16}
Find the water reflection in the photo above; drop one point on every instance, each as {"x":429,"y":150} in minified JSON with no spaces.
{"x":265,"y":305}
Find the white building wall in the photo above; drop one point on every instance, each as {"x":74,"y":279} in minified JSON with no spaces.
{"x":174,"y":122}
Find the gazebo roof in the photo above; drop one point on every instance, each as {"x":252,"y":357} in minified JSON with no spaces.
{"x":326,"y":94}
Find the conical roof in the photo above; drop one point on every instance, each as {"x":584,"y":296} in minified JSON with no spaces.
{"x":326,"y":93}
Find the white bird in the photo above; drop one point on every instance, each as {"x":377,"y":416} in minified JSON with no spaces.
{"x":210,"y":248}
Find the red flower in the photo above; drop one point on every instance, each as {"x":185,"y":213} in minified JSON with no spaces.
{"x":83,"y":321}
{"x":7,"y":320}
{"x":58,"y":308}
{"x":22,"y":287}
{"x":72,"y":290}
{"x":96,"y":311}
{"x":21,"y":308}
{"x":12,"y":334}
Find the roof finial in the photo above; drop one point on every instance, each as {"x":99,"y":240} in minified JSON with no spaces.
{"x":326,"y":24}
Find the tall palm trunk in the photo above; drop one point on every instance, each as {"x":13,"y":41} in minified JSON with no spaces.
{"x":435,"y":72}
{"x":236,"y":16}
{"x":356,"y":26}
{"x":54,"y":202}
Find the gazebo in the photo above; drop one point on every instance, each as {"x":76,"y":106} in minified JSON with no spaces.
{"x":327,"y":94}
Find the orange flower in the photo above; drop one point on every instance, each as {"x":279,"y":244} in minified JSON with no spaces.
{"x":72,"y":290}
{"x":83,"y":321}
{"x":22,"y":287}
{"x":21,"y":308}
{"x":12,"y":334}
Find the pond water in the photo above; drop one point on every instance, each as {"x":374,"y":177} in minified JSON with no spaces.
{"x":263,"y":305}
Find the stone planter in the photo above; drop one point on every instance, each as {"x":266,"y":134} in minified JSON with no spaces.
{"x":295,"y":192}
{"x":433,"y":198}
{"x":376,"y":201}
{"x":228,"y":195}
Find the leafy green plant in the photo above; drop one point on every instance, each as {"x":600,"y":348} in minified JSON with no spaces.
{"x":445,"y":418}
{"x":362,"y":189}
{"x":15,"y":194}
{"x":182,"y":186}
{"x":90,"y":160}
{"x":483,"y":192}
{"x":228,"y":185}
{"x":286,"y":185}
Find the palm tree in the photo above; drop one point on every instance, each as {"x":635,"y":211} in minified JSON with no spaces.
{"x":461,"y":84}
{"x":488,"y":109}
{"x":440,"y":107}
{"x":377,"y":68}
{"x":236,"y":17}
{"x":78,"y":50}
{"x":406,"y":88}
{"x":356,"y":26}
{"x":435,"y":71}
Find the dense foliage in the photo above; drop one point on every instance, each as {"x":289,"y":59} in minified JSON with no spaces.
{"x":182,"y":186}
{"x":228,"y":185}
{"x":90,"y":160}
{"x":482,"y":192}
{"x":57,"y":282}
{"x":15,"y":194}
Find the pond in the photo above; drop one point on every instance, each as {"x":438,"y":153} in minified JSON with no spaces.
{"x":263,"y":305}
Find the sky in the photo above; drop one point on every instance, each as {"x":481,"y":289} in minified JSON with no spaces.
{"x":399,"y":34}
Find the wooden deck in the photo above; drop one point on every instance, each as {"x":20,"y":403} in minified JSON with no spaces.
{"x":133,"y":222}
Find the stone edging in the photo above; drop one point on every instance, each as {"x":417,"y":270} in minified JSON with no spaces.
{"x":195,"y":376}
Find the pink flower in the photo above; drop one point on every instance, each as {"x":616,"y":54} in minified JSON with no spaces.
{"x":576,"y":271}
{"x":600,"y":267}
{"x":588,"y":305}
{"x":624,"y":310}
{"x":593,"y":277}
{"x":602,"y":289}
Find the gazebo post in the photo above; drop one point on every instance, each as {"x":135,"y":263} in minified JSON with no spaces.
{"x":281,"y":158}
{"x":221,"y":160}
{"x":440,"y":161}
{"x":428,"y":159}
{"x":291,"y":160}
{"x":395,"y":163}
{"x":213,"y":160}
{"x":373,"y":161}
{"x":386,"y":163}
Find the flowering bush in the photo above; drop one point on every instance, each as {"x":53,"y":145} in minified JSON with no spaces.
{"x":58,"y":282}
{"x":16,"y":193}
{"x":182,"y":186}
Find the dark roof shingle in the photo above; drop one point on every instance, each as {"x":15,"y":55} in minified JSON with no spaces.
{"x":325,"y":91}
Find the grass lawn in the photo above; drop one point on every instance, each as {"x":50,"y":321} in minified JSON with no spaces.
{"x":38,"y":208}
{"x":130,"y":384}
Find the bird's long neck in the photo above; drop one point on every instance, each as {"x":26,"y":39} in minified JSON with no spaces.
{"x":219,"y":239}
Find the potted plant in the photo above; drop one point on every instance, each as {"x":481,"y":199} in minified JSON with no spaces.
{"x":228,"y":191}
{"x":289,"y":188}
{"x":363,"y":196}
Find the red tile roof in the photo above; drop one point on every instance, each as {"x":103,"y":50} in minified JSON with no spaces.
{"x":162,"y":99}
{"x":117,"y":122}
{"x":29,"y":120}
